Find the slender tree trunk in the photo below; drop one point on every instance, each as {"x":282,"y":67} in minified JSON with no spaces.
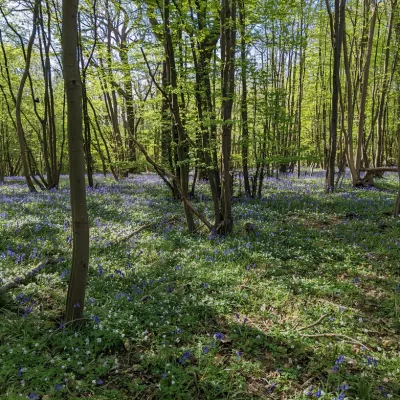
{"x":396,"y":211}
{"x":364,"y":88}
{"x":245,"y":122}
{"x":228,"y":44}
{"x":337,"y":37}
{"x":385,"y":87}
{"x":128,"y":90}
{"x":80,"y":226}
{"x":350,"y":115}
{"x":20,"y":131}
{"x":179,"y":130}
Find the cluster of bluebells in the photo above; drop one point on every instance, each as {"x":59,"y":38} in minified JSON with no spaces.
{"x":314,"y":392}
{"x":342,"y":391}
{"x":383,"y":392}
{"x":338,"y":361}
{"x":369,"y":361}
{"x":26,"y":302}
{"x":18,"y":257}
{"x":184,"y":358}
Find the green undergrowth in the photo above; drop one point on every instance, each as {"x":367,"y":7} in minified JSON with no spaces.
{"x":306,"y":306}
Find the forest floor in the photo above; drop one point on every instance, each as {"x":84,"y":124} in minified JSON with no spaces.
{"x":307,"y":306}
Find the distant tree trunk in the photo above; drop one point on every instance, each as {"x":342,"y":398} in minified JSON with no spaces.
{"x":385,"y":87}
{"x":245,"y":123}
{"x":203,"y":47}
{"x":337,"y":31}
{"x":80,"y":226}
{"x":228,"y":46}
{"x":20,"y":131}
{"x":128,"y":93}
{"x":364,"y":84}
{"x":169,"y":140}
{"x":303,"y":32}
{"x":178,"y":128}
{"x":48,"y":122}
{"x":166,"y":136}
{"x":350,"y":115}
{"x":396,"y":210}
{"x":103,"y":139}
{"x":3,"y":151}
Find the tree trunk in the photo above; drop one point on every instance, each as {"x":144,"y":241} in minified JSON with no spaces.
{"x":385,"y":87}
{"x":245,"y":123}
{"x":20,"y":131}
{"x":364,"y":82}
{"x":178,"y":128}
{"x":80,"y":226}
{"x":228,"y":44}
{"x":337,"y":37}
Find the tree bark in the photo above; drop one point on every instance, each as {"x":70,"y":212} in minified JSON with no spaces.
{"x":178,"y":128}
{"x":80,"y":226}
{"x":385,"y":86}
{"x":20,"y":131}
{"x":337,"y":38}
{"x":244,"y":110}
{"x":364,"y":82}
{"x":228,"y":45}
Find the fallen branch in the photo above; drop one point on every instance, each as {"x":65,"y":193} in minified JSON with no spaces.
{"x":313,"y":324}
{"x":22,"y":280}
{"x":339,"y":336}
{"x":142,"y":228}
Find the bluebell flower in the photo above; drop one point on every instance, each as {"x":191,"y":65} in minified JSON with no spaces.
{"x":272,"y":387}
{"x":340,"y":397}
{"x":343,"y":387}
{"x":27,"y":311}
{"x":339,"y":360}
{"x":219,"y":336}
{"x":58,"y":387}
{"x":318,"y":393}
{"x":64,"y":274}
{"x":370,"y":360}
{"x":206,"y":350}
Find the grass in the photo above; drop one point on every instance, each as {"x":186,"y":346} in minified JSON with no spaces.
{"x":175,"y":316}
